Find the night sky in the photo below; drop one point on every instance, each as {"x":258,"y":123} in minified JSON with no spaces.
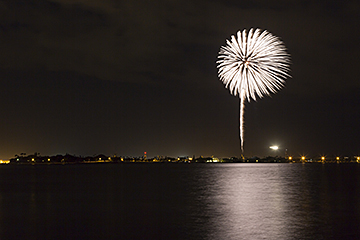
{"x":86,"y":77}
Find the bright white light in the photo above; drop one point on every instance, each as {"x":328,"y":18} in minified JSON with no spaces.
{"x":274,"y":147}
{"x":251,"y":64}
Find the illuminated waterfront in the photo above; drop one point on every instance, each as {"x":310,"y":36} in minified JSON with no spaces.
{"x":101,"y":158}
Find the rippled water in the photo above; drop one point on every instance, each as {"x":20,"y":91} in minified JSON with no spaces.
{"x":180,"y":201}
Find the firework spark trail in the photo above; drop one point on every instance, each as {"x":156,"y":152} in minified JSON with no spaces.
{"x":241,"y":125}
{"x":253,"y":63}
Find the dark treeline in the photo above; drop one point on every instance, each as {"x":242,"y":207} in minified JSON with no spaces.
{"x":36,"y":158}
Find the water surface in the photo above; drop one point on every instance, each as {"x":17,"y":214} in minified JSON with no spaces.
{"x":180,"y":201}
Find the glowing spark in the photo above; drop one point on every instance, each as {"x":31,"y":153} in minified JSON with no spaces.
{"x":250,"y":64}
{"x":274,"y":147}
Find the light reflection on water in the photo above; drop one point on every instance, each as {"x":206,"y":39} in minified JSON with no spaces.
{"x":180,"y":201}
{"x":251,"y":203}
{"x":281,"y":201}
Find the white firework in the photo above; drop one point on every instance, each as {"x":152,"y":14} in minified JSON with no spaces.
{"x":253,"y":64}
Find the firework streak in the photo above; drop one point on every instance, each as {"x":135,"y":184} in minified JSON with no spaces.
{"x":251,"y":64}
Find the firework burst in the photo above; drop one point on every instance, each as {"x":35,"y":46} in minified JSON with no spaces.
{"x":252,"y":64}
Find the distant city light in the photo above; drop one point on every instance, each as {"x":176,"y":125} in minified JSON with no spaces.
{"x":274,"y":147}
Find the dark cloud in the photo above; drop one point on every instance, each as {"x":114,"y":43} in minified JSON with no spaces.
{"x":155,"y":63}
{"x":123,"y":40}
